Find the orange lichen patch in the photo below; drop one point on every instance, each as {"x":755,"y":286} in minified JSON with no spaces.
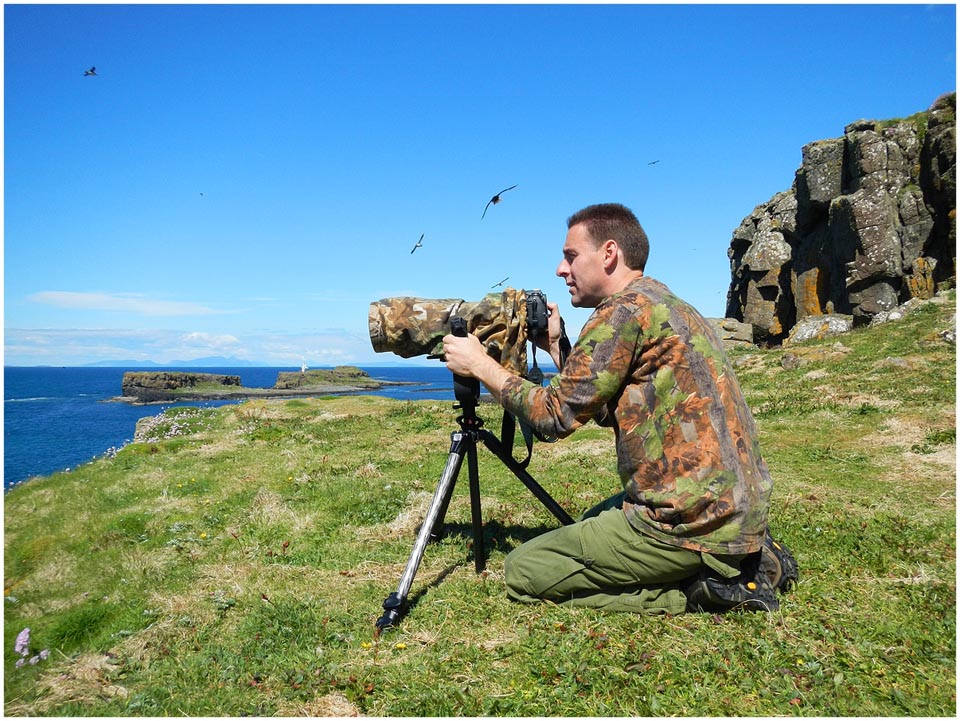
{"x":807,"y":287}
{"x":921,"y":284}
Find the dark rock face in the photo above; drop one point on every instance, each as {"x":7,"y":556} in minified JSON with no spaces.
{"x":150,"y":387}
{"x":869,"y":223}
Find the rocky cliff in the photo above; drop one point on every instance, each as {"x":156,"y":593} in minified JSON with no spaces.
{"x":154,"y":386}
{"x":869,"y":223}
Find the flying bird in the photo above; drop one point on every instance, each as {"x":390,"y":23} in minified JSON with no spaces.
{"x":419,"y":244}
{"x":91,"y":71}
{"x":501,"y":282}
{"x":653,"y":162}
{"x":496,"y":199}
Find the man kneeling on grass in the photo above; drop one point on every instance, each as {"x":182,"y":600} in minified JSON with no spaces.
{"x":689,"y":531}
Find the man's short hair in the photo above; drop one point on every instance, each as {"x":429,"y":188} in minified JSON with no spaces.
{"x":606,"y":221}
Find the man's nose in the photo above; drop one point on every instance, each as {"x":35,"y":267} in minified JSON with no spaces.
{"x":563,"y":269}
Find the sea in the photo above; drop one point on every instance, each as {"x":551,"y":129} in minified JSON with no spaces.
{"x":58,"y":418}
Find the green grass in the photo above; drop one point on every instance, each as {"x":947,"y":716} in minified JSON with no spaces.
{"x":233,"y":561}
{"x":920,"y":120}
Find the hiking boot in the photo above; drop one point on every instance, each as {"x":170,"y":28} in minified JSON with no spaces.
{"x":778,"y":565}
{"x":749,"y":591}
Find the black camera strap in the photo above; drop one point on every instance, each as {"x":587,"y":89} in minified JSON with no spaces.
{"x":564,"y":344}
{"x":535,"y":374}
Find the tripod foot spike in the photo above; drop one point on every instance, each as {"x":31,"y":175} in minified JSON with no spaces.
{"x":391,"y":613}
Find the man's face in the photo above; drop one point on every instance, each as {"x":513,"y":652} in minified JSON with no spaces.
{"x":582,"y":268}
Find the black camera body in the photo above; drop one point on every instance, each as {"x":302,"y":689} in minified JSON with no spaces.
{"x":537,"y":313}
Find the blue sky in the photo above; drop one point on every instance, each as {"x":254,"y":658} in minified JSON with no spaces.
{"x":243,"y":180}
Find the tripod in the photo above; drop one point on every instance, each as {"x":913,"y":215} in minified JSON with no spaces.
{"x":463,"y":443}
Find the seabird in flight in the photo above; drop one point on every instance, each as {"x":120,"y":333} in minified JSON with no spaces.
{"x":496,"y":199}
{"x":91,"y":71}
{"x":419,"y":244}
{"x":501,"y":282}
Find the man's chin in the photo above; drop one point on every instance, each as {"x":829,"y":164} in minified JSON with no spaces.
{"x":578,"y":301}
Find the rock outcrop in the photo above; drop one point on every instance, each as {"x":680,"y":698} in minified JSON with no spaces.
{"x":166,"y":386}
{"x":869,"y":223}
{"x":151,"y":387}
{"x":732,"y":332}
{"x":341,"y":375}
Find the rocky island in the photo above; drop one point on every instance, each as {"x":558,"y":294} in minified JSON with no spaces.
{"x":140,"y":387}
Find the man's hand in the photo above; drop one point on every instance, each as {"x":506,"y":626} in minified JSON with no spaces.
{"x":463,"y":354}
{"x":551,"y":341}
{"x":466,"y":357}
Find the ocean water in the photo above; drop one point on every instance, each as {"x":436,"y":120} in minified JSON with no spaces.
{"x":58,"y":418}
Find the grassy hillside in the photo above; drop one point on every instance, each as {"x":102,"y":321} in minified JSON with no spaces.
{"x":232,"y":561}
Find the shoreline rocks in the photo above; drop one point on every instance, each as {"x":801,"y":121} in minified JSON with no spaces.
{"x":147,"y":387}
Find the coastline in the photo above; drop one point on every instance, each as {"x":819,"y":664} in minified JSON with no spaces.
{"x":153,"y":387}
{"x":240,"y":394}
{"x":60,"y":418}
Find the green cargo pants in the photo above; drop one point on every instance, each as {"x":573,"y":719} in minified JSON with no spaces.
{"x":602,"y":562}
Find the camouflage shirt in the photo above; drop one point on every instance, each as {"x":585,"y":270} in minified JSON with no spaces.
{"x":687,"y":449}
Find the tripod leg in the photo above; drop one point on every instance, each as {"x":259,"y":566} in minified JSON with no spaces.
{"x":460,"y":445}
{"x":441,"y":499}
{"x":493,"y":443}
{"x":479,"y":552}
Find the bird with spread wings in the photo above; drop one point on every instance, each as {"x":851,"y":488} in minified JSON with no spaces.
{"x":419,"y":244}
{"x":496,"y":199}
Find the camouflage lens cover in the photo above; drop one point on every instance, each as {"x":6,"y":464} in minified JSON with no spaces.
{"x":410,"y":327}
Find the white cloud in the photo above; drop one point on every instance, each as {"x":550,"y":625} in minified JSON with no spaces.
{"x":74,"y":347}
{"x":208,"y":340}
{"x":82,"y":346}
{"x":119,"y":302}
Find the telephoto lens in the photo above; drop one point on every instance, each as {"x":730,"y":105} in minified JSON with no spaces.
{"x":411,"y":327}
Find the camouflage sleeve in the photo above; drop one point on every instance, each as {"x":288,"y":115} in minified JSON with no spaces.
{"x":604,"y":418}
{"x":595,"y":372}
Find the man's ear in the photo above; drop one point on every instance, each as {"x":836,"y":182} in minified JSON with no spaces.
{"x":611,"y":254}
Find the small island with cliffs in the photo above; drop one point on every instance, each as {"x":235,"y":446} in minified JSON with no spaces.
{"x":143,"y":387}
